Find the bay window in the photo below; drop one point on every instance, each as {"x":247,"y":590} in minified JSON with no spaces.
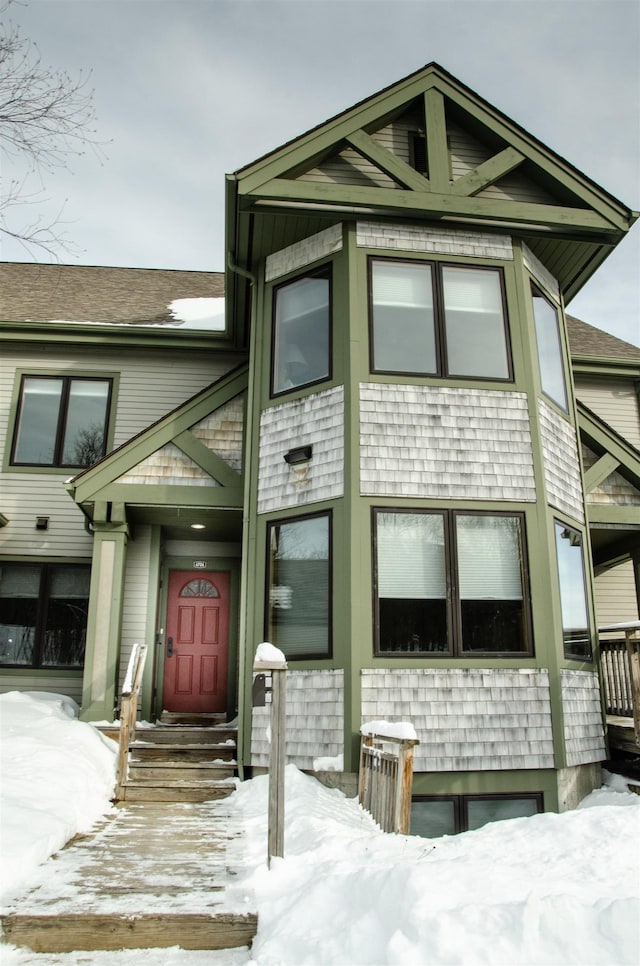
{"x":433,"y":319}
{"x":449,"y":582}
{"x":298,"y":618}
{"x":301,"y":349}
{"x":550,"y":362}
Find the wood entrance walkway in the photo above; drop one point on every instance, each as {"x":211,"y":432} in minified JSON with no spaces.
{"x":151,"y":875}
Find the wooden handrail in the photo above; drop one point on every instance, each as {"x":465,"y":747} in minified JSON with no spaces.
{"x":128,"y":711}
{"x":385,"y":780}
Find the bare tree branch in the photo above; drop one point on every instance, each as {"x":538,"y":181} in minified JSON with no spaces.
{"x":47,"y":117}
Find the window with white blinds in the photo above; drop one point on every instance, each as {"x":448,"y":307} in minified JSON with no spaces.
{"x":451,"y":583}
{"x":434,"y":319}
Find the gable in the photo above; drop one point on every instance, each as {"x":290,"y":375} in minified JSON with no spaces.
{"x":427,"y":148}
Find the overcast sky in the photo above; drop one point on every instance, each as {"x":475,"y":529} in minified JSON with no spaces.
{"x":187,"y":90}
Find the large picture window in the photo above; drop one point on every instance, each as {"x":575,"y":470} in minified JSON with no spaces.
{"x":576,"y":632}
{"x":299,"y":586}
{"x":301,"y":352}
{"x":43,"y":614}
{"x":434,"y":319}
{"x":62,"y":421}
{"x":450,"y":583}
{"x":549,"y":349}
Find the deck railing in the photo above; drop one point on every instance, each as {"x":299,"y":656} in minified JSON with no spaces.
{"x":128,"y":711}
{"x":621,"y":672}
{"x":385,"y":780}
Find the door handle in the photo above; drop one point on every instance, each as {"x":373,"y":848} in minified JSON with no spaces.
{"x":169,"y":647}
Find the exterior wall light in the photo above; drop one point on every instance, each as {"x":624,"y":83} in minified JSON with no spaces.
{"x":42,"y":523}
{"x":301,"y":454}
{"x":198,"y":526}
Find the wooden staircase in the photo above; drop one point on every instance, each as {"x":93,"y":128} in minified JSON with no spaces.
{"x":183,"y":758}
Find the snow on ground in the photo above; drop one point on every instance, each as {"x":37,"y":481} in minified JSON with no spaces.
{"x":550,"y":889}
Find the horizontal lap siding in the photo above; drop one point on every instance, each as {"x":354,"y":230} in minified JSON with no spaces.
{"x":151,"y":384}
{"x":134,"y":607}
{"x":616,"y":597}
{"x":615,"y":402}
{"x":466,"y":719}
{"x":56,"y":682}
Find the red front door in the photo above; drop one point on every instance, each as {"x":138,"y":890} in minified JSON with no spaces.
{"x":197,"y":642}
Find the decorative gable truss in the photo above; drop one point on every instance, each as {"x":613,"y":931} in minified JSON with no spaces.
{"x":429,"y":147}
{"x":191,"y":457}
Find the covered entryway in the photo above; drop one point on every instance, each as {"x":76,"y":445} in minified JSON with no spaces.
{"x":197,"y":643}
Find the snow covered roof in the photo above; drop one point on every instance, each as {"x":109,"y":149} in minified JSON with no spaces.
{"x":32,"y":292}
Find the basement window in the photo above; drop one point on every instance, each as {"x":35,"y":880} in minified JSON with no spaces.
{"x":433,"y":816}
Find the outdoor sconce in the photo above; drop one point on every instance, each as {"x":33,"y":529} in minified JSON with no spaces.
{"x":301,"y":454}
{"x":42,"y":523}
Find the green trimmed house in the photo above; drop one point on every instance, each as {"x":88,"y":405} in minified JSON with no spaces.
{"x":379,"y":464}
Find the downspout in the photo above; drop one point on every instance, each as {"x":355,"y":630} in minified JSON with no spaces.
{"x":244,"y":567}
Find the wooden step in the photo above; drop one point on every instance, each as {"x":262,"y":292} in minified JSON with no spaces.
{"x":179,"y":771}
{"x":68,"y":932}
{"x":146,"y":751}
{"x":181,"y":734}
{"x":174,"y":791}
{"x":203,"y":719}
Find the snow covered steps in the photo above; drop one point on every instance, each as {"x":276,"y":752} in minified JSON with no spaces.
{"x":152,"y":875}
{"x":182,"y":759}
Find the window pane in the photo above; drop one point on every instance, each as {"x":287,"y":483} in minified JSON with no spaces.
{"x":299,"y":566}
{"x":38,"y":425}
{"x":433,"y":819}
{"x":84,"y":437}
{"x":474,"y":323}
{"x":481,"y":811}
{"x":301,"y":333}
{"x":19,"y":590}
{"x":549,"y":349}
{"x":403,"y":326}
{"x":66,"y":621}
{"x":573,"y":596}
{"x":412,"y":592}
{"x":489,"y":553}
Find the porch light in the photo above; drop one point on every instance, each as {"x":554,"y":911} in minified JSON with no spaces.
{"x":198,"y":526}
{"x":300,"y":454}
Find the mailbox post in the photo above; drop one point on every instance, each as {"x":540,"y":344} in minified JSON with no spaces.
{"x":269,"y":663}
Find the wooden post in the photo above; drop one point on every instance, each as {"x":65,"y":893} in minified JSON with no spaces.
{"x":633,"y":653}
{"x":403,"y":788}
{"x":277,"y":763}
{"x":128,"y":711}
{"x":275,"y":835}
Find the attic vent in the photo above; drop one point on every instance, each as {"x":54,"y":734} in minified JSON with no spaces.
{"x":418,"y":151}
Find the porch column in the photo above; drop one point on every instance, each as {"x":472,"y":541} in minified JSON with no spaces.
{"x":104,"y":621}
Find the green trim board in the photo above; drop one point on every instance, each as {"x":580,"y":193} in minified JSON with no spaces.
{"x":596,"y":433}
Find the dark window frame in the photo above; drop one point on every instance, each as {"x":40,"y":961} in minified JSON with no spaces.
{"x":67,"y":381}
{"x":283,"y":521}
{"x":455,"y":648}
{"x":537,"y":292}
{"x":321,"y":271}
{"x":42,"y":607}
{"x":588,"y":655}
{"x":461,"y":804}
{"x":439,"y":320}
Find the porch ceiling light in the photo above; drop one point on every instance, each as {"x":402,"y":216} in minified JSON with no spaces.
{"x":198,"y":526}
{"x":300,"y":454}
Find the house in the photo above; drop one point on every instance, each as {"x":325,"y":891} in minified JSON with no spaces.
{"x":380,"y":464}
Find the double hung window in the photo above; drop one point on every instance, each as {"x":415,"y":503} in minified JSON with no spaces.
{"x":301,"y":353}
{"x":576,"y":632}
{"x":298,"y":618}
{"x":62,"y":421}
{"x":427,"y":318}
{"x":450,"y":583}
{"x":43,"y":614}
